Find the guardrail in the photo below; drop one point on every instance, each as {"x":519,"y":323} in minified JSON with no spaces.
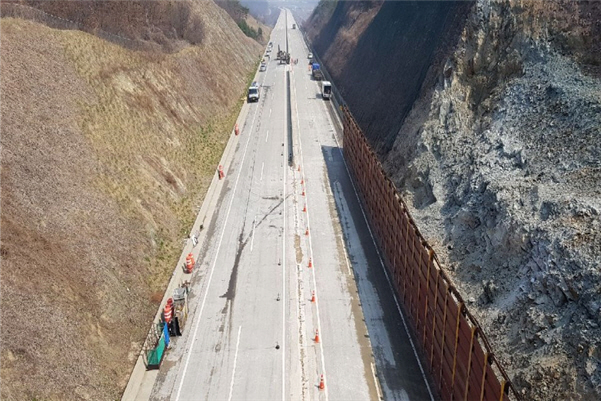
{"x":457,"y":354}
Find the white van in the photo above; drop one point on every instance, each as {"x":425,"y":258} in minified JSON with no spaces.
{"x":253,"y":93}
{"x":326,"y":89}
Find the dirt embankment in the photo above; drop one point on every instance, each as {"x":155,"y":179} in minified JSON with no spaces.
{"x":496,"y":149}
{"x":106,"y":155}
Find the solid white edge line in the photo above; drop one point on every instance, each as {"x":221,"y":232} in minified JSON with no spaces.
{"x":262,"y":166}
{"x":252,"y":240}
{"x":285,"y":131}
{"x":381,"y":261}
{"x":204,"y":299}
{"x":235,"y":362}
{"x":377,"y":383}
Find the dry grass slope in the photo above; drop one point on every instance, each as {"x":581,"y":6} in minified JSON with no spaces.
{"x":106,"y":153}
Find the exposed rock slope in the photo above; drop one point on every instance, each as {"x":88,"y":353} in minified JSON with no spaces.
{"x":500,"y":159}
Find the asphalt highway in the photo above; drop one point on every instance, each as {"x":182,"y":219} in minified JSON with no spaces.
{"x":290,"y":289}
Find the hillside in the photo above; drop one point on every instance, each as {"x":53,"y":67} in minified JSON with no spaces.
{"x":247,"y":22}
{"x":487,"y":116}
{"x":114,"y":116}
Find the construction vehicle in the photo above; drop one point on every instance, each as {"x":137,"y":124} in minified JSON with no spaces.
{"x":253,"y":93}
{"x":316,"y":72}
{"x":326,"y":90}
{"x":282,"y":56}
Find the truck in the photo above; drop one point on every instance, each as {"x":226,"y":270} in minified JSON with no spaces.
{"x":253,"y":93}
{"x":283,"y":57}
{"x":326,"y":90}
{"x":316,"y":72}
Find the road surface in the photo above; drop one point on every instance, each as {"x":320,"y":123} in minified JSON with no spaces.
{"x":290,"y":289}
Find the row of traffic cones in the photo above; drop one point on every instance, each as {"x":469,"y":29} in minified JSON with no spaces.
{"x":322,"y":385}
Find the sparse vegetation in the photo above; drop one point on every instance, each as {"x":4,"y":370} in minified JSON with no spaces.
{"x":241,"y":15}
{"x":248,"y":31}
{"x":106,"y":156}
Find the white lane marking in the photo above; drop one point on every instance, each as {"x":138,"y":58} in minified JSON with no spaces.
{"x":284,"y":257}
{"x":204,"y":299}
{"x":270,"y":112}
{"x":252,"y":241}
{"x":377,"y":383}
{"x":262,"y":166}
{"x":235,"y":362}
{"x":381,"y":261}
{"x":323,"y":362}
{"x":266,"y":135}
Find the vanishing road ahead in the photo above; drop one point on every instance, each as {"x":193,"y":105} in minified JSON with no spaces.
{"x":288,"y":203}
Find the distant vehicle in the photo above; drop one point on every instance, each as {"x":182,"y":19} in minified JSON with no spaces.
{"x":293,"y":26}
{"x":263,"y":67}
{"x":310,"y":56}
{"x":316,"y":72}
{"x":253,"y":93}
{"x":326,"y":90}
{"x":268,"y":50}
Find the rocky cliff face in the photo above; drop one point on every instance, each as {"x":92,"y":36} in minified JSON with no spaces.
{"x":379,"y":54}
{"x":106,"y":155}
{"x":500,"y":159}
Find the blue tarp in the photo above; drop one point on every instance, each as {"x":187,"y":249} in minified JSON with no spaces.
{"x":166,"y":334}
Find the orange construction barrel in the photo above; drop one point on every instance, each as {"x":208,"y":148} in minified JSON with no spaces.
{"x":168,"y":311}
{"x":189,"y":263}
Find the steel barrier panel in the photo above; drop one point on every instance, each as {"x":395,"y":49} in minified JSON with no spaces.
{"x":449,"y":336}
{"x":492,"y":387}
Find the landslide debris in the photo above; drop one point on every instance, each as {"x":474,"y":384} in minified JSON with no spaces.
{"x":106,"y":155}
{"x":499,"y":157}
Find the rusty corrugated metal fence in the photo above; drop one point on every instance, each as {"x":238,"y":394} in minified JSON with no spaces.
{"x":457,"y":354}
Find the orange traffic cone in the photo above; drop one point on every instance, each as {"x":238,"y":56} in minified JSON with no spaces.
{"x":302,"y":182}
{"x":313,"y":297}
{"x":310,"y":263}
{"x":307,"y":232}
{"x":316,"y":335}
{"x":322,"y":385}
{"x":303,"y":192}
{"x":237,"y":130}
{"x":305,"y":208}
{"x":299,"y":167}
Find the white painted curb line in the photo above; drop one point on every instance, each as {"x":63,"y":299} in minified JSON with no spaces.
{"x":141,"y":381}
